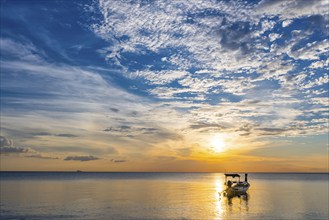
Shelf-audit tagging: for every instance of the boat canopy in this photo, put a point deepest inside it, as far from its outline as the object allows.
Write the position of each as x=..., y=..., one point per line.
x=232, y=175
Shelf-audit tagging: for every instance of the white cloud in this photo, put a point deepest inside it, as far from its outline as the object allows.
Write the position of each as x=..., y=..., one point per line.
x=286, y=23
x=273, y=36
x=7, y=147
x=320, y=64
x=321, y=101
x=24, y=51
x=311, y=51
x=275, y=69
x=267, y=25
x=160, y=25
x=233, y=48
x=159, y=77
x=317, y=82
x=198, y=85
x=293, y=8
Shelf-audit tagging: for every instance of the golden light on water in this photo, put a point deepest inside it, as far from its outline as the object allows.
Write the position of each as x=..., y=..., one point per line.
x=219, y=186
x=218, y=203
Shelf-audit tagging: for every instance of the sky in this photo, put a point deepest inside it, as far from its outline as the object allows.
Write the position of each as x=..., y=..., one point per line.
x=167, y=86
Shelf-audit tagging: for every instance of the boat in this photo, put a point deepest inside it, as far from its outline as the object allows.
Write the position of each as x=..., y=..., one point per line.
x=234, y=185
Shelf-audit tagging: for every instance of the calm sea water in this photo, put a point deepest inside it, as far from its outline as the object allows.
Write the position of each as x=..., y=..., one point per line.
x=57, y=195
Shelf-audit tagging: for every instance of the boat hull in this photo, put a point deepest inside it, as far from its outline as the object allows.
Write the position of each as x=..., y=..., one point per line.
x=232, y=192
x=239, y=189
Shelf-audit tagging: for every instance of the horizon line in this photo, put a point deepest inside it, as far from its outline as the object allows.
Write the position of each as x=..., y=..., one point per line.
x=81, y=171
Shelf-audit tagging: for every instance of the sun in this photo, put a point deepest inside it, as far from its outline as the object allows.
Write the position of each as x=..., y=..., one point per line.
x=218, y=144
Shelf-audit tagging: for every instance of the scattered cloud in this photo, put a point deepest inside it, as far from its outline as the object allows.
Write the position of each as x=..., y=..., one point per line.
x=159, y=77
x=291, y=9
x=6, y=142
x=7, y=146
x=118, y=161
x=82, y=158
x=272, y=131
x=202, y=125
x=24, y=50
x=5, y=150
x=39, y=156
x=118, y=129
x=66, y=135
x=114, y=110
x=43, y=133
x=141, y=77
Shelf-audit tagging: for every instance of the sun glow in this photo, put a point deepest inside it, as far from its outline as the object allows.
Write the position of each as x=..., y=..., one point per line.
x=218, y=144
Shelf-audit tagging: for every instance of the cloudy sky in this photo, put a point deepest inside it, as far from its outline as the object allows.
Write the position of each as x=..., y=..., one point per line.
x=199, y=85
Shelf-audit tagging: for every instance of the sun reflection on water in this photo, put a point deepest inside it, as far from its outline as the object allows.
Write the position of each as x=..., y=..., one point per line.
x=218, y=197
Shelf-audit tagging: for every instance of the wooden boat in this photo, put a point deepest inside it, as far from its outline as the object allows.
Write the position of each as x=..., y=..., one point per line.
x=234, y=186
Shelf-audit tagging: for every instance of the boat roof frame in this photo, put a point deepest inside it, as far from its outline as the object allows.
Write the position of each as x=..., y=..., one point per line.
x=232, y=175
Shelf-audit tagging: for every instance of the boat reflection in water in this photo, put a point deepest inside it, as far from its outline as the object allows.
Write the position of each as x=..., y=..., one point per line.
x=231, y=194
x=235, y=192
x=241, y=196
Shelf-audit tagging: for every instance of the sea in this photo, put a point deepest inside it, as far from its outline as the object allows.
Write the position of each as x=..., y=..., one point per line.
x=105, y=195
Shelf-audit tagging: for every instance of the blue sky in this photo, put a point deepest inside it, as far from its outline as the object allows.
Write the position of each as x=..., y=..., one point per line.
x=119, y=85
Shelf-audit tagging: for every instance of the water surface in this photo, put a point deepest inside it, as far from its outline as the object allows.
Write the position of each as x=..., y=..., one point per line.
x=66, y=195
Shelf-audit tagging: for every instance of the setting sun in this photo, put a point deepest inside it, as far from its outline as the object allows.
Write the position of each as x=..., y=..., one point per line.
x=218, y=144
